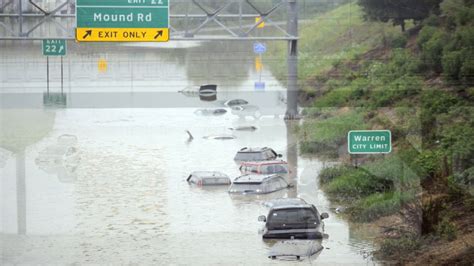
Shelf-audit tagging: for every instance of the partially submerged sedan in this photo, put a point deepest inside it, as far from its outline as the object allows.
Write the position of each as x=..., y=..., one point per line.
x=256, y=154
x=265, y=167
x=258, y=184
x=208, y=178
x=293, y=221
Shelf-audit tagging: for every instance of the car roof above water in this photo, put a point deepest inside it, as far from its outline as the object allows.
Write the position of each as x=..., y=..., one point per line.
x=292, y=206
x=253, y=179
x=285, y=202
x=209, y=174
x=254, y=149
x=264, y=162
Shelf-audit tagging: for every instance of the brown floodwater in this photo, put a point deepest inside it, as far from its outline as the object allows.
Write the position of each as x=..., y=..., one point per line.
x=101, y=179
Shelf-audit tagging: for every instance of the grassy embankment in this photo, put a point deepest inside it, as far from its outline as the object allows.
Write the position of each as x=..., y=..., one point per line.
x=365, y=75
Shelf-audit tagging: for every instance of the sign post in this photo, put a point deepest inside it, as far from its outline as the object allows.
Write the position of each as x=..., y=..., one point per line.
x=122, y=20
x=369, y=141
x=54, y=47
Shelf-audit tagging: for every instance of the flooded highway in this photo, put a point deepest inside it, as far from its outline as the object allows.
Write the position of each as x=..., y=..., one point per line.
x=98, y=174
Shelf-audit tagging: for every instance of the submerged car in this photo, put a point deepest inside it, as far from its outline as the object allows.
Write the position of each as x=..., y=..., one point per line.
x=246, y=110
x=264, y=167
x=208, y=178
x=256, y=154
x=203, y=90
x=295, y=220
x=208, y=89
x=295, y=249
x=209, y=112
x=283, y=201
x=244, y=128
x=235, y=102
x=258, y=184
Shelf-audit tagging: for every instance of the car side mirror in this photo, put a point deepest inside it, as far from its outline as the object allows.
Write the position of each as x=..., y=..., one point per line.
x=291, y=185
x=324, y=215
x=262, y=218
x=279, y=155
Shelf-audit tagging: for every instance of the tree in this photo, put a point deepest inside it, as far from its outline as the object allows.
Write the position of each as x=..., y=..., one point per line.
x=398, y=11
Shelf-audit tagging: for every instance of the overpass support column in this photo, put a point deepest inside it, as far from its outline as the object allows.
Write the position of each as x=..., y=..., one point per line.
x=292, y=60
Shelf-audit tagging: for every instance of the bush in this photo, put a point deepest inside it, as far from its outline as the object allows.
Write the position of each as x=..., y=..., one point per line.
x=392, y=168
x=436, y=101
x=432, y=20
x=425, y=35
x=314, y=147
x=334, y=98
x=466, y=72
x=464, y=37
x=452, y=63
x=399, y=41
x=429, y=163
x=357, y=183
x=446, y=229
x=405, y=244
x=459, y=11
x=457, y=135
x=432, y=50
x=464, y=180
x=329, y=173
x=398, y=89
x=379, y=205
x=333, y=130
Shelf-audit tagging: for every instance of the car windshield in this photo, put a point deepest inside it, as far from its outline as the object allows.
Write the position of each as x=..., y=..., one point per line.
x=246, y=188
x=292, y=218
x=274, y=169
x=249, y=156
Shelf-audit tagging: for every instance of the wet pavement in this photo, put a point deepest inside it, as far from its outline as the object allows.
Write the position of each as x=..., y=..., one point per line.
x=117, y=193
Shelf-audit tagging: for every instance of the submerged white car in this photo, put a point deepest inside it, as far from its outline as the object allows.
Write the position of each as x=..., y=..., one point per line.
x=258, y=184
x=208, y=178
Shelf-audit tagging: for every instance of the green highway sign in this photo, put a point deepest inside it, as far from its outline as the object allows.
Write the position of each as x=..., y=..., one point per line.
x=100, y=17
x=123, y=3
x=122, y=20
x=54, y=47
x=369, y=141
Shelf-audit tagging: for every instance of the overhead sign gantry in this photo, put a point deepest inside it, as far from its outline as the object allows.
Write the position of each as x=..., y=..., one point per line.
x=122, y=20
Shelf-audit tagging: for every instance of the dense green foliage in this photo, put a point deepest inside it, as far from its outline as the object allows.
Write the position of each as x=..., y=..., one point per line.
x=398, y=11
x=379, y=204
x=446, y=42
x=417, y=84
x=328, y=40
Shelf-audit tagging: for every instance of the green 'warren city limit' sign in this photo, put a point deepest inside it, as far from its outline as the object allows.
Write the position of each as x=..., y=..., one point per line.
x=54, y=47
x=369, y=141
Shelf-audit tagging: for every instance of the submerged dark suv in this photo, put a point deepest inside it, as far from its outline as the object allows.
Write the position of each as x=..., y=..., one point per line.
x=297, y=220
x=256, y=154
